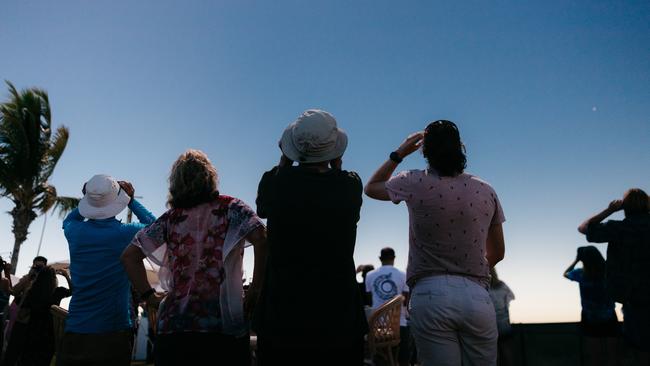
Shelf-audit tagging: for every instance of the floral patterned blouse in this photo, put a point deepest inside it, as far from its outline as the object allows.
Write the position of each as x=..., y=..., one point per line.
x=200, y=251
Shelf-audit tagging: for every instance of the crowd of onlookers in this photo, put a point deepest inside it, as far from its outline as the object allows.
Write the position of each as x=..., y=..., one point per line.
x=304, y=303
x=622, y=278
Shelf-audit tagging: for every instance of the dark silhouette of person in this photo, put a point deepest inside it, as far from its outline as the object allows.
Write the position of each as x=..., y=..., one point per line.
x=310, y=314
x=628, y=254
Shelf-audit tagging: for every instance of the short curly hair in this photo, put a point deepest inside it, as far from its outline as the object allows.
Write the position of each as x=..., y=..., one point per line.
x=443, y=148
x=192, y=181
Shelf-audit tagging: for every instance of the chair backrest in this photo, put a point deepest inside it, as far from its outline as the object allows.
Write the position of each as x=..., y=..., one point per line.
x=59, y=315
x=384, y=324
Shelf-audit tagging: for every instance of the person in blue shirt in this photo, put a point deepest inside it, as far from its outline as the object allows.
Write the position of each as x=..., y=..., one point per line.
x=599, y=324
x=98, y=328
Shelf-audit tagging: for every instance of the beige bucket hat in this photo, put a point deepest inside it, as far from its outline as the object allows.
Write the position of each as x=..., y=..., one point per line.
x=313, y=138
x=104, y=198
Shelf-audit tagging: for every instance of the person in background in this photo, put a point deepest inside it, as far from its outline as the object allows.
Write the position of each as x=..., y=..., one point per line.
x=501, y=296
x=628, y=254
x=14, y=313
x=61, y=292
x=455, y=236
x=598, y=322
x=5, y=292
x=199, y=244
x=364, y=269
x=32, y=337
x=311, y=315
x=98, y=328
x=382, y=285
x=38, y=263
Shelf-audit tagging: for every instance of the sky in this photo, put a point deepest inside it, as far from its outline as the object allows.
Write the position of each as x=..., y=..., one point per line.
x=552, y=99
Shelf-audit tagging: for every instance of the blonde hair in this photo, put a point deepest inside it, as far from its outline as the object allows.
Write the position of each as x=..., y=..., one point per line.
x=192, y=181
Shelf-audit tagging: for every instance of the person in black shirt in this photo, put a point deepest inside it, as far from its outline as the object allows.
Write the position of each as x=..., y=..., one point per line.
x=628, y=254
x=310, y=310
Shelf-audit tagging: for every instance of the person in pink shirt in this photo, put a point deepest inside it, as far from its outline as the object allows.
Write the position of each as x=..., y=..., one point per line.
x=199, y=245
x=455, y=237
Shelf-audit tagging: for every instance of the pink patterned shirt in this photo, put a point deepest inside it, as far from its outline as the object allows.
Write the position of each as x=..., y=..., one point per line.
x=200, y=251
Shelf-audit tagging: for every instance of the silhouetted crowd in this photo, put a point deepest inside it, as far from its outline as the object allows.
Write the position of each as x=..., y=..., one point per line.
x=304, y=303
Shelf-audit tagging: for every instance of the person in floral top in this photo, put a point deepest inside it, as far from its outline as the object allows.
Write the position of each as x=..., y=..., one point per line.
x=199, y=245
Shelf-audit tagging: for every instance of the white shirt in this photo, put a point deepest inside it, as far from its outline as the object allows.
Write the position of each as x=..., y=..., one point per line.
x=501, y=297
x=384, y=283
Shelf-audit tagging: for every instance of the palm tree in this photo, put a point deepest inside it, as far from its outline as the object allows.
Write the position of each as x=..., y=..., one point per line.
x=29, y=153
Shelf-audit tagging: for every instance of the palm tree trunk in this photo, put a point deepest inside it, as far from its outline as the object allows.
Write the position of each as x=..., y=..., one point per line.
x=23, y=217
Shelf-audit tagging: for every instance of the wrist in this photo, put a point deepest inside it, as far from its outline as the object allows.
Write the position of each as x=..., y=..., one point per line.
x=396, y=156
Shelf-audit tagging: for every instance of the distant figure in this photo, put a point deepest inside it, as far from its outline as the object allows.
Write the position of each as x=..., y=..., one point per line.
x=14, y=313
x=628, y=255
x=199, y=244
x=364, y=269
x=98, y=329
x=5, y=292
x=599, y=324
x=38, y=263
x=385, y=283
x=455, y=236
x=501, y=296
x=32, y=337
x=311, y=314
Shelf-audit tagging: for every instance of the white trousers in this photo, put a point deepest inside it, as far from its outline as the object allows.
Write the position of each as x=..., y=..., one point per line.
x=453, y=322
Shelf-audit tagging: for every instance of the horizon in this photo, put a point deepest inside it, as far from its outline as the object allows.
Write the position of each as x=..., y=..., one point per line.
x=551, y=100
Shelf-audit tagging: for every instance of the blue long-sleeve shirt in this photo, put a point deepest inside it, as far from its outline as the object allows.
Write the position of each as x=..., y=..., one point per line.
x=101, y=299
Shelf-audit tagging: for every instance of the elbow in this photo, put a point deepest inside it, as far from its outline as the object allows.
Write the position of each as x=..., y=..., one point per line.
x=124, y=258
x=498, y=257
x=376, y=191
x=130, y=255
x=582, y=229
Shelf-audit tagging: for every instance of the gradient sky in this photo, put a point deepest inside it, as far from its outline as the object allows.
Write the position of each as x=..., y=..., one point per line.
x=552, y=99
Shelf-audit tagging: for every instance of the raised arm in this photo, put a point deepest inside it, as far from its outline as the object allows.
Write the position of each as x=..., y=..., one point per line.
x=144, y=216
x=614, y=206
x=495, y=246
x=376, y=186
x=260, y=250
x=570, y=268
x=23, y=284
x=66, y=275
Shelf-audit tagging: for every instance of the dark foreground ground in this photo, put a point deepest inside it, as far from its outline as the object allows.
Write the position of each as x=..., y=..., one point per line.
x=553, y=344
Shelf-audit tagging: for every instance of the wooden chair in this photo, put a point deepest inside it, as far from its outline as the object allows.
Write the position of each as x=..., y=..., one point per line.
x=383, y=337
x=59, y=315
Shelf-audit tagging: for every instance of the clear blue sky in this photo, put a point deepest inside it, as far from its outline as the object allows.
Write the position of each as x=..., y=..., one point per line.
x=552, y=99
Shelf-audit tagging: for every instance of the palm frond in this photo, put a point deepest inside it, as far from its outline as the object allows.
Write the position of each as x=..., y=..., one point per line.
x=65, y=204
x=25, y=132
x=45, y=198
x=53, y=154
x=28, y=156
x=7, y=184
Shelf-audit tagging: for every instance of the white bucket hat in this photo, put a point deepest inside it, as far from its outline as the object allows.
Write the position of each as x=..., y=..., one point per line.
x=313, y=138
x=104, y=198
